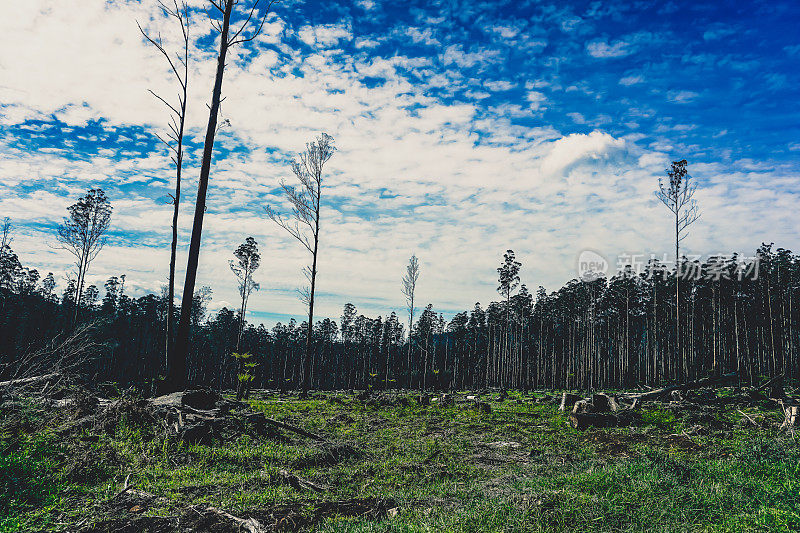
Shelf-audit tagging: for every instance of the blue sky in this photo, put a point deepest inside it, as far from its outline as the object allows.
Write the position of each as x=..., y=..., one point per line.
x=463, y=129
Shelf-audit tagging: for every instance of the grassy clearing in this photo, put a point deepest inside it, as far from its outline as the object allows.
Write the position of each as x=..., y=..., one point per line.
x=518, y=468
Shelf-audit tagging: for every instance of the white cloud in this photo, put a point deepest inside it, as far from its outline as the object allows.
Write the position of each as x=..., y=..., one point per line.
x=536, y=99
x=576, y=147
x=631, y=80
x=682, y=97
x=326, y=35
x=602, y=49
x=454, y=183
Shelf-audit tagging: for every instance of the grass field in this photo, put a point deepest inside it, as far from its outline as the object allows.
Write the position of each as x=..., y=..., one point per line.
x=519, y=467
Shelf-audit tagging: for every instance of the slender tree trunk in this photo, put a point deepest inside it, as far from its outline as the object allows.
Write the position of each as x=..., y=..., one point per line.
x=177, y=366
x=310, y=330
x=174, y=245
x=410, y=325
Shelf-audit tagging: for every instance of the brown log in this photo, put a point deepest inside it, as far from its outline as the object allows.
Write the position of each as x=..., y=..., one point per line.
x=27, y=381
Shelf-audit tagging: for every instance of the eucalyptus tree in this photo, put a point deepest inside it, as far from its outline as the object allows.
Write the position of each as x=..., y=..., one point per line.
x=10, y=267
x=83, y=234
x=409, y=289
x=677, y=194
x=229, y=37
x=508, y=278
x=304, y=224
x=179, y=67
x=246, y=263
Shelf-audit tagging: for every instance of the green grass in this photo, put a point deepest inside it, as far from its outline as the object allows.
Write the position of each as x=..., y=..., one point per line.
x=518, y=468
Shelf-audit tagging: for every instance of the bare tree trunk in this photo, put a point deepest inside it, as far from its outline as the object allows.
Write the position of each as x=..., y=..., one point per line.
x=172, y=260
x=177, y=366
x=678, y=297
x=410, y=325
x=310, y=331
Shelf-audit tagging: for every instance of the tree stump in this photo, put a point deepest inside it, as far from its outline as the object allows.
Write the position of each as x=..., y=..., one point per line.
x=567, y=401
x=604, y=403
x=598, y=420
x=791, y=414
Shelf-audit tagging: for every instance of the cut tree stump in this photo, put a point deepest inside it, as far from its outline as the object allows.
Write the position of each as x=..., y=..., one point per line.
x=604, y=403
x=598, y=420
x=792, y=414
x=624, y=417
x=567, y=401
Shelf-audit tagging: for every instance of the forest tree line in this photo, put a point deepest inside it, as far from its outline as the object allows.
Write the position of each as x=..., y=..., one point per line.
x=591, y=333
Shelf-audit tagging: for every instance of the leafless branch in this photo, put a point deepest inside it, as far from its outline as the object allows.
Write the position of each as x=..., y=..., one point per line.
x=236, y=36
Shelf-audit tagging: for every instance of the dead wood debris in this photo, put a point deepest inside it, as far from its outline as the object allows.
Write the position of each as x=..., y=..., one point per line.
x=695, y=401
x=124, y=514
x=194, y=416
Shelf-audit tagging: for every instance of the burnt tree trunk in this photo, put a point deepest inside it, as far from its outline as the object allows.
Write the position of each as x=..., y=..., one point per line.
x=177, y=366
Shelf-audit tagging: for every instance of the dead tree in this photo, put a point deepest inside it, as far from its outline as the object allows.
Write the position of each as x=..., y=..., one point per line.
x=83, y=235
x=409, y=289
x=678, y=195
x=303, y=224
x=247, y=31
x=174, y=139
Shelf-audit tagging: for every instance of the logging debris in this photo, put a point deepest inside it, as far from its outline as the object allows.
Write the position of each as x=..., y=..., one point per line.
x=198, y=416
x=125, y=513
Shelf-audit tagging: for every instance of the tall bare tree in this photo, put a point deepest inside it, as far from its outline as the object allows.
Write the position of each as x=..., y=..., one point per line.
x=174, y=139
x=246, y=263
x=409, y=289
x=303, y=223
x=247, y=30
x=678, y=195
x=83, y=235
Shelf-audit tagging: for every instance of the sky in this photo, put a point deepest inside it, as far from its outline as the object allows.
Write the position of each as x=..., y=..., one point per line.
x=462, y=129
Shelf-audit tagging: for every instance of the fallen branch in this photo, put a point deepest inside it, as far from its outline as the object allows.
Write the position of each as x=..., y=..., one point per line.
x=748, y=417
x=700, y=383
x=300, y=484
x=248, y=524
x=27, y=381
